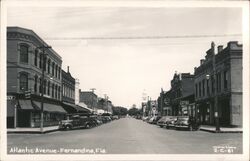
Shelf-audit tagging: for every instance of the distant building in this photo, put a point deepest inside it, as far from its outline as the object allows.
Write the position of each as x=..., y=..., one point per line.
x=89, y=98
x=68, y=87
x=182, y=93
x=228, y=78
x=25, y=62
x=77, y=91
x=164, y=104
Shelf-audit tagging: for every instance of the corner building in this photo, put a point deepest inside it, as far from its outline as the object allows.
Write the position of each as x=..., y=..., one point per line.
x=25, y=62
x=221, y=79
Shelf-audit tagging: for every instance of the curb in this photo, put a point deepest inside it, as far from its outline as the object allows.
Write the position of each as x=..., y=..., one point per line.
x=31, y=132
x=213, y=131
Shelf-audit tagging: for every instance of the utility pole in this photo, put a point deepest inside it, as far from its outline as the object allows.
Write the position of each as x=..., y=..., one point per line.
x=216, y=114
x=42, y=84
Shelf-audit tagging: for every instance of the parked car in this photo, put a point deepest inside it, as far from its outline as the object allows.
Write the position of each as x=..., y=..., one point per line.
x=170, y=123
x=151, y=120
x=156, y=118
x=186, y=122
x=163, y=120
x=115, y=117
x=144, y=118
x=76, y=121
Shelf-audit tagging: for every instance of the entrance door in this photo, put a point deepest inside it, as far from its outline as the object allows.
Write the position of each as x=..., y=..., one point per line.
x=23, y=118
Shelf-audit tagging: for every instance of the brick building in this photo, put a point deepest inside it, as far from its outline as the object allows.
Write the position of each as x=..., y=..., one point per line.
x=182, y=94
x=220, y=75
x=89, y=98
x=26, y=59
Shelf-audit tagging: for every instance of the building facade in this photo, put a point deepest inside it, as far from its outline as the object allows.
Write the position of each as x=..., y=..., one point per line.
x=181, y=94
x=28, y=56
x=89, y=98
x=218, y=82
x=68, y=87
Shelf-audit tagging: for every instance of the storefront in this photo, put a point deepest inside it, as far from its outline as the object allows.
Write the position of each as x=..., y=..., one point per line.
x=29, y=114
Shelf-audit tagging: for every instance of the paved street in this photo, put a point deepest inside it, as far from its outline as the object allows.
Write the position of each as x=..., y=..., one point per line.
x=129, y=136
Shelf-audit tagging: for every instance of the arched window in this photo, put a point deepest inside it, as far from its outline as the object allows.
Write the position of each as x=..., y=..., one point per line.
x=23, y=81
x=24, y=53
x=35, y=84
x=49, y=66
x=48, y=88
x=35, y=58
x=53, y=68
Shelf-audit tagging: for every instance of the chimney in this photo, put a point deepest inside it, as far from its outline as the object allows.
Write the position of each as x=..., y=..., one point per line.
x=202, y=61
x=220, y=48
x=67, y=69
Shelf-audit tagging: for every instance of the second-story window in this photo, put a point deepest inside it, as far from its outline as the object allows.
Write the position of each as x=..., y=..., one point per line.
x=35, y=84
x=23, y=81
x=225, y=79
x=199, y=89
x=196, y=90
x=24, y=53
x=40, y=60
x=53, y=69
x=203, y=87
x=49, y=66
x=36, y=57
x=56, y=68
x=208, y=92
x=48, y=92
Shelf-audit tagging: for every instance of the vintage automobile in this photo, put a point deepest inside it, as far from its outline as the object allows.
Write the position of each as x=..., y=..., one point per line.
x=163, y=121
x=186, y=122
x=170, y=123
x=76, y=122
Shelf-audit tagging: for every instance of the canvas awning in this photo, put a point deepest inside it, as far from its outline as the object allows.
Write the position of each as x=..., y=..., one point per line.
x=50, y=107
x=75, y=108
x=27, y=105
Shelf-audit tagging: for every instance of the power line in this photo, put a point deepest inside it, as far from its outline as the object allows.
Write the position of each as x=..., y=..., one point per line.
x=140, y=37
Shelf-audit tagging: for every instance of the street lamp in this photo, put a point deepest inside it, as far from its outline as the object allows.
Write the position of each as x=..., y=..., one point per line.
x=42, y=84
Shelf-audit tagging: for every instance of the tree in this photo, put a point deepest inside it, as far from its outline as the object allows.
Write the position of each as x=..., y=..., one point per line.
x=133, y=111
x=117, y=110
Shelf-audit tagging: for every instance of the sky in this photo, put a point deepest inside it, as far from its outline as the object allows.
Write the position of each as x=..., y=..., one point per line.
x=125, y=68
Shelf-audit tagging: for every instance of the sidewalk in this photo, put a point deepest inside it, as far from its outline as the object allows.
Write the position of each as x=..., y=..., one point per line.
x=33, y=130
x=209, y=128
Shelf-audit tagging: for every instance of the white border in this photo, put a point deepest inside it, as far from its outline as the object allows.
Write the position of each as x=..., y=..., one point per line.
x=160, y=3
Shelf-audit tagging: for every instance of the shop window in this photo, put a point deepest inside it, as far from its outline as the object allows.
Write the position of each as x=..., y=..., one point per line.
x=24, y=53
x=23, y=81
